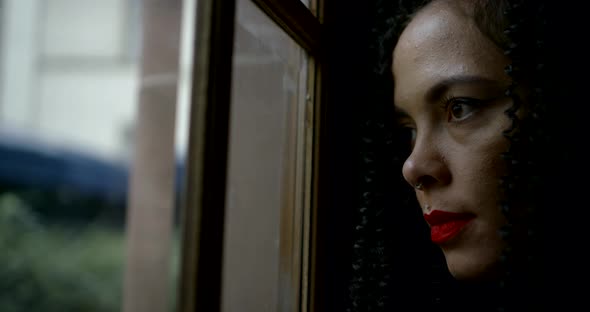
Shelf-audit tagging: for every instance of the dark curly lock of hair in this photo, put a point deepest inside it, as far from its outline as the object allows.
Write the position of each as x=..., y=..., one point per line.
x=394, y=262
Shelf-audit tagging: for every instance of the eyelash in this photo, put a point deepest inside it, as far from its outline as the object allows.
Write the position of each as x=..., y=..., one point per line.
x=446, y=106
x=449, y=101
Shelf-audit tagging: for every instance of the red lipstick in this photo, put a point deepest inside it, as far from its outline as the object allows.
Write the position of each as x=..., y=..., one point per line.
x=445, y=225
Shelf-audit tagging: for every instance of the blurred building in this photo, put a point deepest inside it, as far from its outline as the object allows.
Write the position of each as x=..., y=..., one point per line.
x=69, y=72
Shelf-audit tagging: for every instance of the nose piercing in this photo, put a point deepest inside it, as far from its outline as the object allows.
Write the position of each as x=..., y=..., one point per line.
x=418, y=186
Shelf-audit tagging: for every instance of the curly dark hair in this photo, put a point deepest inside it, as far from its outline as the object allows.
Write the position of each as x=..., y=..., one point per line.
x=384, y=277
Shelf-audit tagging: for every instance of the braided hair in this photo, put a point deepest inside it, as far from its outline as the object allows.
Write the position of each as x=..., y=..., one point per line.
x=383, y=276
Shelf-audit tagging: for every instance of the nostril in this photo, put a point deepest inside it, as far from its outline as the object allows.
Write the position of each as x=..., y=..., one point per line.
x=418, y=186
x=424, y=182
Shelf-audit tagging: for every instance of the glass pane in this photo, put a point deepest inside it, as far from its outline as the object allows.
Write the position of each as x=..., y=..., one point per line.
x=269, y=80
x=84, y=145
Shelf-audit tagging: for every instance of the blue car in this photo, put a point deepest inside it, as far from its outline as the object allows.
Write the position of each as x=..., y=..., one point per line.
x=59, y=182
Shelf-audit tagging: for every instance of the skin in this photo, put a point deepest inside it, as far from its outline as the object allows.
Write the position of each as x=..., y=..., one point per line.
x=449, y=91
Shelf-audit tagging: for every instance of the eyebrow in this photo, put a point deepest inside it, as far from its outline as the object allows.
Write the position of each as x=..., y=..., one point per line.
x=440, y=88
x=399, y=113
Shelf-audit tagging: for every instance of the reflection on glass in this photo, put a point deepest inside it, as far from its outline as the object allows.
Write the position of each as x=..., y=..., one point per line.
x=71, y=79
x=269, y=75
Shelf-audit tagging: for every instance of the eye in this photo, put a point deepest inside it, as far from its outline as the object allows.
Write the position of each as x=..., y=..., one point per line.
x=406, y=136
x=410, y=135
x=459, y=109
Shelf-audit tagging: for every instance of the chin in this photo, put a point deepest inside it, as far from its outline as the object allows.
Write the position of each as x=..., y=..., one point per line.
x=466, y=275
x=475, y=269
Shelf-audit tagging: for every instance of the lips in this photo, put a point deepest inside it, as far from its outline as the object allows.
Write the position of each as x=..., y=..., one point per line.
x=446, y=225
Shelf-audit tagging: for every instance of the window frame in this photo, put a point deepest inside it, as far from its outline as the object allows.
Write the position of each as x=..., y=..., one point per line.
x=203, y=204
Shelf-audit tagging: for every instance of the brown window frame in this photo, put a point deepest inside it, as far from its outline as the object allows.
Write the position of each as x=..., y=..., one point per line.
x=203, y=205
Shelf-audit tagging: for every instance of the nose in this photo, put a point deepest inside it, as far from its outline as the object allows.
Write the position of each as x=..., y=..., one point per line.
x=426, y=166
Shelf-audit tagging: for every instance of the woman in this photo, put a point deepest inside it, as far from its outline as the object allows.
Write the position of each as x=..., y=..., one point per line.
x=474, y=95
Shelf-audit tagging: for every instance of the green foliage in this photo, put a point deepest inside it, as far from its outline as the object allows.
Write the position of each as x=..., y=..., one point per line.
x=50, y=268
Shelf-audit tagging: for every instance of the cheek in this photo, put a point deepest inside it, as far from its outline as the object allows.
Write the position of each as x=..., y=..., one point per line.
x=490, y=148
x=477, y=184
x=486, y=145
x=479, y=165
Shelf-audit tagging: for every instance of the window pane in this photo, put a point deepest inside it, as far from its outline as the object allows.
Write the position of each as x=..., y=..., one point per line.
x=88, y=158
x=268, y=100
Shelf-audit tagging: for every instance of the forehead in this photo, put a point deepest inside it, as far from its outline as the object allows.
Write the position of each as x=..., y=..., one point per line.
x=442, y=42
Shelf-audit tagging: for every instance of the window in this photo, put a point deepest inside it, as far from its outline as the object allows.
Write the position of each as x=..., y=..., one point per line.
x=158, y=155
x=253, y=142
x=266, y=189
x=90, y=167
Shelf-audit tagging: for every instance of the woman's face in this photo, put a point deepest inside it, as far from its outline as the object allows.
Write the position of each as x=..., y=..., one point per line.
x=449, y=90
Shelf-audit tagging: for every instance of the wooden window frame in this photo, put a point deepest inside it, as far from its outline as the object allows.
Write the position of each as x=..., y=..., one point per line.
x=203, y=204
